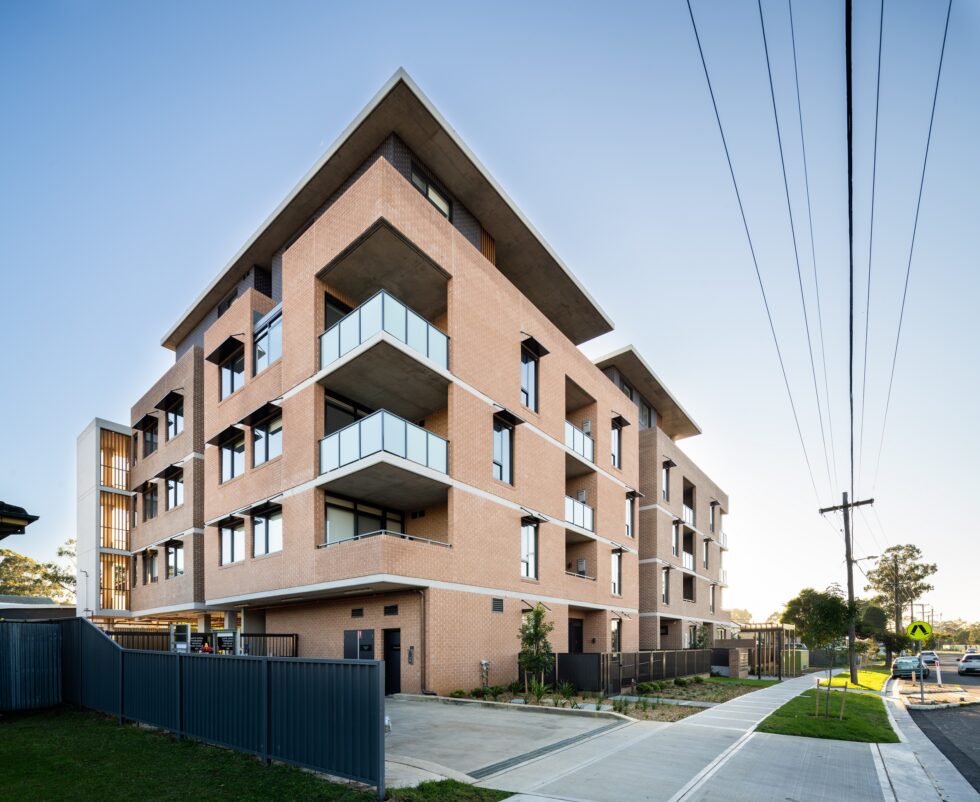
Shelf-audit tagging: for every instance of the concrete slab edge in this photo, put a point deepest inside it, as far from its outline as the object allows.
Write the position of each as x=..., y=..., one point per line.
x=434, y=768
x=561, y=711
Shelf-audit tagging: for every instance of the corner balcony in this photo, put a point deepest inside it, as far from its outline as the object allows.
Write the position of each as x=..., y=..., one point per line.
x=387, y=460
x=580, y=457
x=383, y=354
x=579, y=514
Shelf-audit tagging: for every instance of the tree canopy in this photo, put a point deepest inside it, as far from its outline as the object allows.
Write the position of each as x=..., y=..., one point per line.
x=900, y=567
x=741, y=616
x=820, y=617
x=21, y=575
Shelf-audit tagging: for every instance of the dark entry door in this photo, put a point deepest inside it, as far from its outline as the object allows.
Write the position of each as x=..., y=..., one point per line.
x=358, y=644
x=393, y=661
x=575, y=640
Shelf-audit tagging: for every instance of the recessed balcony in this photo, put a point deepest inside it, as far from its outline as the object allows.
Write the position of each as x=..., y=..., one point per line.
x=723, y=540
x=385, y=354
x=580, y=457
x=687, y=560
x=385, y=459
x=579, y=514
x=687, y=515
x=723, y=577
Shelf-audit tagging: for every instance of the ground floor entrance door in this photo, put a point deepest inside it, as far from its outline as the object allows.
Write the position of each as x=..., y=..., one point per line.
x=358, y=644
x=393, y=661
x=575, y=639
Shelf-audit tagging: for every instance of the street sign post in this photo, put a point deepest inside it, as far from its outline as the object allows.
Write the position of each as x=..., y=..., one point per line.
x=919, y=631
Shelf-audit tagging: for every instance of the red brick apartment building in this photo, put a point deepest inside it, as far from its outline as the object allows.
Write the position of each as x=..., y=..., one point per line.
x=379, y=420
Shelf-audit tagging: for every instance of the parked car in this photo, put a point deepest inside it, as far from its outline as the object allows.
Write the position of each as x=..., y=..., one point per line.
x=930, y=658
x=972, y=650
x=908, y=668
x=970, y=664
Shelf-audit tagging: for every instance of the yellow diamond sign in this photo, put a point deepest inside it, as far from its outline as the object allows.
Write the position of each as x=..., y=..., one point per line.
x=918, y=630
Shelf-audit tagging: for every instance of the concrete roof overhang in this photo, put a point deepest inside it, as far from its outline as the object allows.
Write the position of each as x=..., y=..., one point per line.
x=523, y=256
x=388, y=481
x=674, y=419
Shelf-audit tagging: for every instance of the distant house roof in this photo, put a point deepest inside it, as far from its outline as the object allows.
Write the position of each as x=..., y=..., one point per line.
x=14, y=520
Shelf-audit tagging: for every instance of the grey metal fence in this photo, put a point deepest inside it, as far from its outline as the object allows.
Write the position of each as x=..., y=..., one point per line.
x=156, y=640
x=611, y=672
x=326, y=715
x=30, y=665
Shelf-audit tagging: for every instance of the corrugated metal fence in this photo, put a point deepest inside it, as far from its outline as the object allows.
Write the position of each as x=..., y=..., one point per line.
x=326, y=715
x=612, y=671
x=30, y=665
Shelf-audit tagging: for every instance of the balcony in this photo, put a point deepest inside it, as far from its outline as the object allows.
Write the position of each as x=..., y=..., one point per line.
x=687, y=515
x=385, y=354
x=387, y=460
x=723, y=540
x=388, y=534
x=580, y=576
x=582, y=447
x=687, y=560
x=723, y=577
x=579, y=513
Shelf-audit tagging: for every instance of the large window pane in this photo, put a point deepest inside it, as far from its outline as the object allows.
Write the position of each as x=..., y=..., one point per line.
x=340, y=524
x=275, y=532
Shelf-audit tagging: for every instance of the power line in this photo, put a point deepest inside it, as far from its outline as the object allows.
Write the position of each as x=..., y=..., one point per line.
x=915, y=228
x=871, y=238
x=792, y=228
x=755, y=260
x=813, y=248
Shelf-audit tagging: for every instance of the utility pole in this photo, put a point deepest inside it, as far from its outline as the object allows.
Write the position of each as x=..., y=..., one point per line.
x=845, y=507
x=898, y=602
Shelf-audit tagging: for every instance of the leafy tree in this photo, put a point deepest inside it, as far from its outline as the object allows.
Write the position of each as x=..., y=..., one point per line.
x=21, y=575
x=872, y=621
x=895, y=642
x=741, y=616
x=536, y=656
x=820, y=617
x=699, y=638
x=900, y=568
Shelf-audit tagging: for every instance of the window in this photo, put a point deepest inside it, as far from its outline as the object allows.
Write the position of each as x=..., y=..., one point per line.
x=150, y=440
x=704, y=550
x=225, y=304
x=614, y=640
x=665, y=585
x=647, y=416
x=711, y=516
x=617, y=437
x=529, y=378
x=665, y=481
x=133, y=512
x=267, y=345
x=711, y=599
x=335, y=310
x=529, y=551
x=345, y=520
x=233, y=373
x=175, y=490
x=503, y=448
x=175, y=560
x=436, y=196
x=675, y=540
x=175, y=419
x=617, y=573
x=150, y=502
x=136, y=447
x=391, y=609
x=232, y=544
x=267, y=531
x=629, y=515
x=267, y=440
x=149, y=566
x=233, y=457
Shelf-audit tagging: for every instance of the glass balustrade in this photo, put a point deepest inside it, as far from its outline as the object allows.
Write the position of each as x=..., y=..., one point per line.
x=579, y=513
x=579, y=442
x=383, y=431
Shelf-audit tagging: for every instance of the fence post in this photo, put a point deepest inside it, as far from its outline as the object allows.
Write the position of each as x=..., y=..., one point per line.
x=266, y=711
x=179, y=697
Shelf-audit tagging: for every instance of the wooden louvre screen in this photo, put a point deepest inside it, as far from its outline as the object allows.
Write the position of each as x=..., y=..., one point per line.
x=114, y=453
x=488, y=247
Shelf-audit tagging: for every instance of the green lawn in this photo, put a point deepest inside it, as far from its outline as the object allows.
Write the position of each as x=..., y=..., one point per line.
x=865, y=718
x=869, y=679
x=71, y=755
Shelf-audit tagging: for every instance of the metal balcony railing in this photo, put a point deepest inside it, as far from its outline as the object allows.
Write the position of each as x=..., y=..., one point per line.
x=579, y=442
x=384, y=312
x=579, y=513
x=687, y=515
x=687, y=560
x=383, y=431
x=723, y=539
x=580, y=576
x=385, y=533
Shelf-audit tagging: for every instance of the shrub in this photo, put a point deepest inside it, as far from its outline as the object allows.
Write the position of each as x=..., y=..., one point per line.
x=566, y=690
x=680, y=682
x=538, y=690
x=477, y=693
x=697, y=679
x=458, y=694
x=515, y=688
x=493, y=693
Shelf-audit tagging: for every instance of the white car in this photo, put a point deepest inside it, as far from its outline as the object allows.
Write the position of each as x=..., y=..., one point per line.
x=930, y=658
x=970, y=664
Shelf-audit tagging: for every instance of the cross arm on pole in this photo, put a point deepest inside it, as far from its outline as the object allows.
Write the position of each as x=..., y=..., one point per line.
x=839, y=507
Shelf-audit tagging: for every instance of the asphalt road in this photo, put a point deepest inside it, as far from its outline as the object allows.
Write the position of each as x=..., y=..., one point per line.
x=955, y=731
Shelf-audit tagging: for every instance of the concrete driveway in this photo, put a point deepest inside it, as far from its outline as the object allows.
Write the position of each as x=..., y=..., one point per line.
x=479, y=741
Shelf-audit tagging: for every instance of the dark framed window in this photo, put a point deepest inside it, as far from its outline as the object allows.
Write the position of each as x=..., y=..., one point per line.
x=175, y=489
x=436, y=196
x=150, y=497
x=267, y=345
x=267, y=440
x=711, y=517
x=233, y=457
x=630, y=504
x=529, y=378
x=175, y=560
x=133, y=512
x=267, y=531
x=334, y=310
x=339, y=414
x=675, y=539
x=232, y=543
x=136, y=447
x=617, y=574
x=503, y=451
x=665, y=481
x=529, y=550
x=346, y=520
x=665, y=585
x=175, y=419
x=704, y=552
x=150, y=439
x=614, y=636
x=711, y=598
x=225, y=304
x=232, y=373
x=391, y=609
x=149, y=566
x=617, y=445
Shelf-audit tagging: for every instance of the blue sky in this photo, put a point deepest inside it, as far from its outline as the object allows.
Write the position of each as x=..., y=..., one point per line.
x=143, y=143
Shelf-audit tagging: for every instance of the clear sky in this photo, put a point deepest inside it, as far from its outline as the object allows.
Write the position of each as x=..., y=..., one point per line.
x=142, y=143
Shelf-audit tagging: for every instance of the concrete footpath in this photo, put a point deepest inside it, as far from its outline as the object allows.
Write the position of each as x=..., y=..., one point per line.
x=718, y=755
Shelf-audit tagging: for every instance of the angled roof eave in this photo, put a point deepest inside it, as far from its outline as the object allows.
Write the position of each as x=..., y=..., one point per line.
x=524, y=256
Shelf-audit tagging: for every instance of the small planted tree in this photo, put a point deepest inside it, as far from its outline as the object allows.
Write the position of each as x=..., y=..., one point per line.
x=536, y=655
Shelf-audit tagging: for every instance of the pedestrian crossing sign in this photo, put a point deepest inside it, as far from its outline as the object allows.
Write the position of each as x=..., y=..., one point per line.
x=918, y=630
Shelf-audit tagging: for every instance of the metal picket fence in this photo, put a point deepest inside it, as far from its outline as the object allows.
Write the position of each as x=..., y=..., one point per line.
x=611, y=672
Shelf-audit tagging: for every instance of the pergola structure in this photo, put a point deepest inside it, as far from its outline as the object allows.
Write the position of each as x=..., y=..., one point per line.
x=14, y=520
x=773, y=649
